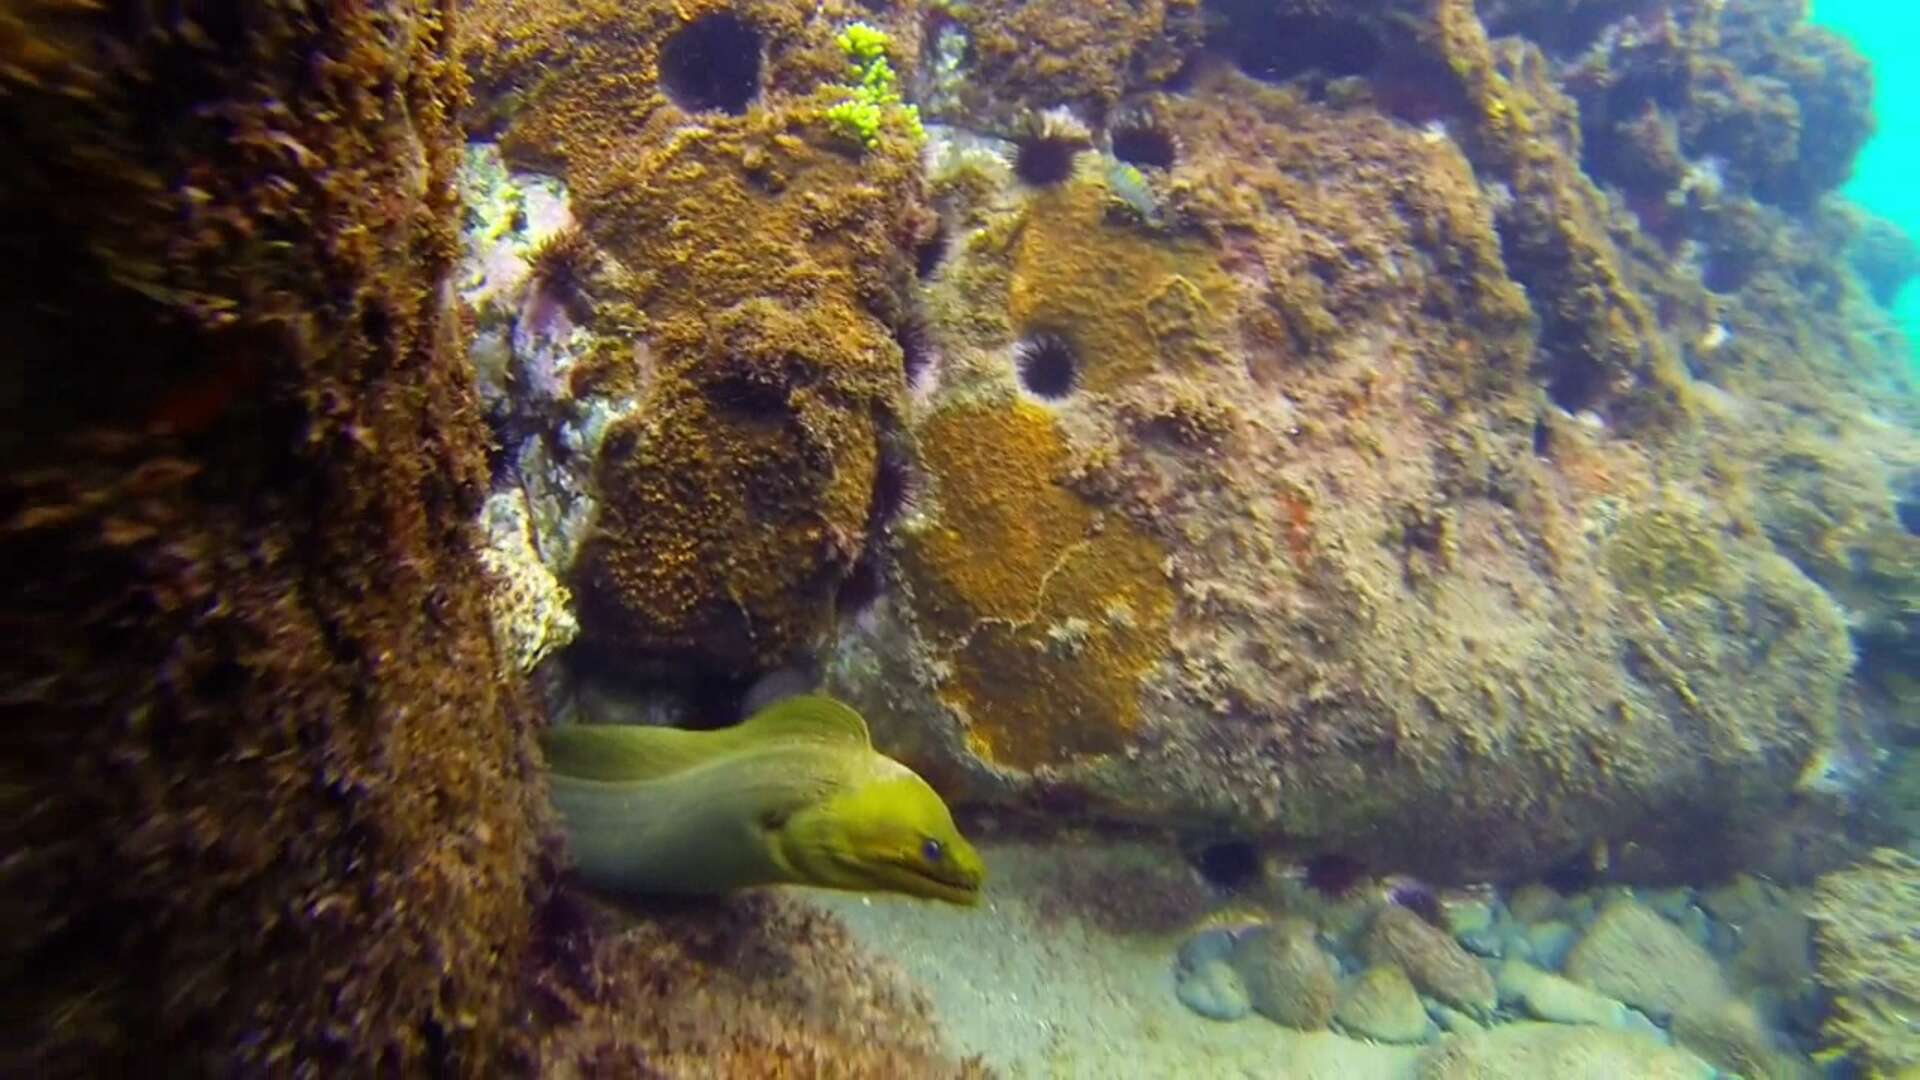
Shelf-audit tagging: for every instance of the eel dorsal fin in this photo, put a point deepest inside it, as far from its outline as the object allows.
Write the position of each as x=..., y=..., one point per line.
x=621, y=753
x=807, y=716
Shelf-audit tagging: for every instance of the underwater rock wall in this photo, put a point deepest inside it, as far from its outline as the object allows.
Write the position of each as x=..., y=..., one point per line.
x=743, y=251
x=1412, y=431
x=269, y=801
x=270, y=805
x=1382, y=505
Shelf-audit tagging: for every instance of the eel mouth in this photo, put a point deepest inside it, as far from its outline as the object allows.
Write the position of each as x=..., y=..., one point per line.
x=951, y=884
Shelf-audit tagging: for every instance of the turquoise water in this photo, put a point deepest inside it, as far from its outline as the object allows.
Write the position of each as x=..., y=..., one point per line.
x=1884, y=178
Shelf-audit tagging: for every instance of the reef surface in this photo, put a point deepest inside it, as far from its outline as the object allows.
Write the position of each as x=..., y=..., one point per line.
x=1406, y=435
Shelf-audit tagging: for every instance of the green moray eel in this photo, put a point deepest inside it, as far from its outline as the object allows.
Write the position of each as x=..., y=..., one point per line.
x=794, y=795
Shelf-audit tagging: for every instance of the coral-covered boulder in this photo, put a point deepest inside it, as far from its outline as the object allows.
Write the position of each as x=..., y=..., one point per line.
x=745, y=234
x=1289, y=979
x=1238, y=502
x=1870, y=960
x=1436, y=963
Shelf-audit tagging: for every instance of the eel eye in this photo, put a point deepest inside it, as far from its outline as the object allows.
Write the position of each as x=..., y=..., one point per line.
x=931, y=850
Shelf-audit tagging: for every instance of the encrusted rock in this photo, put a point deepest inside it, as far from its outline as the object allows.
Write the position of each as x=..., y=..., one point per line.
x=1435, y=962
x=1870, y=960
x=1381, y=1003
x=1546, y=996
x=1633, y=954
x=1214, y=990
x=1289, y=979
x=1528, y=1051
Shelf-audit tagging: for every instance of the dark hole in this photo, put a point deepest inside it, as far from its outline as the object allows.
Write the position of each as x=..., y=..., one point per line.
x=620, y=443
x=1229, y=865
x=1043, y=161
x=223, y=680
x=1908, y=510
x=1145, y=145
x=1542, y=439
x=749, y=397
x=1277, y=48
x=1576, y=382
x=376, y=324
x=1425, y=535
x=1726, y=273
x=1334, y=874
x=439, y=1048
x=863, y=584
x=1046, y=364
x=1571, y=874
x=712, y=62
x=931, y=252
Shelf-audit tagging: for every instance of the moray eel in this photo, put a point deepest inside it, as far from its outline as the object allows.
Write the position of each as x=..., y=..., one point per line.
x=794, y=795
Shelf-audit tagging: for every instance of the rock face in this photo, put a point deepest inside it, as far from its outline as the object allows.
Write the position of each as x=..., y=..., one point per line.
x=1632, y=954
x=268, y=805
x=1546, y=996
x=1382, y=1004
x=1575, y=1053
x=1391, y=433
x=1342, y=469
x=736, y=291
x=1870, y=959
x=269, y=798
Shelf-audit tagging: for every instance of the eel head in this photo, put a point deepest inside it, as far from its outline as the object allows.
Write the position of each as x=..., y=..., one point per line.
x=889, y=834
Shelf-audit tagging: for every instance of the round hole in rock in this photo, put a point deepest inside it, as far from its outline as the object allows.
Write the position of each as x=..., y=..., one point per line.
x=1146, y=145
x=1047, y=365
x=1228, y=865
x=1278, y=48
x=930, y=252
x=712, y=63
x=1576, y=382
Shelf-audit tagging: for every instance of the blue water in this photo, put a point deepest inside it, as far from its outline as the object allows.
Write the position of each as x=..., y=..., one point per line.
x=1884, y=179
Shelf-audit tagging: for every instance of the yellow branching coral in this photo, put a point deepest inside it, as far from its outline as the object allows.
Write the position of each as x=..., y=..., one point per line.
x=874, y=97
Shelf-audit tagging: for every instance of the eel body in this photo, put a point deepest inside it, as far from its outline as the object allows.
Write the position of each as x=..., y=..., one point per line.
x=794, y=795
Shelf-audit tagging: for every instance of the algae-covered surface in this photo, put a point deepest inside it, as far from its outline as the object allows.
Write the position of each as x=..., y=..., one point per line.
x=1394, y=525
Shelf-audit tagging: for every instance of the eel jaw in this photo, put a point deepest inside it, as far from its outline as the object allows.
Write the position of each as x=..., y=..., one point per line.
x=901, y=875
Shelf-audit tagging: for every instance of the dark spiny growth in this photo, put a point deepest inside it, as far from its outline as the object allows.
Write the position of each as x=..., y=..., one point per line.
x=1047, y=145
x=1420, y=900
x=894, y=488
x=915, y=337
x=1333, y=874
x=561, y=265
x=1044, y=162
x=712, y=63
x=1047, y=364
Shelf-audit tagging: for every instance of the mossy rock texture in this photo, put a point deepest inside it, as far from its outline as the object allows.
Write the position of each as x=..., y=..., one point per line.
x=270, y=803
x=1387, y=485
